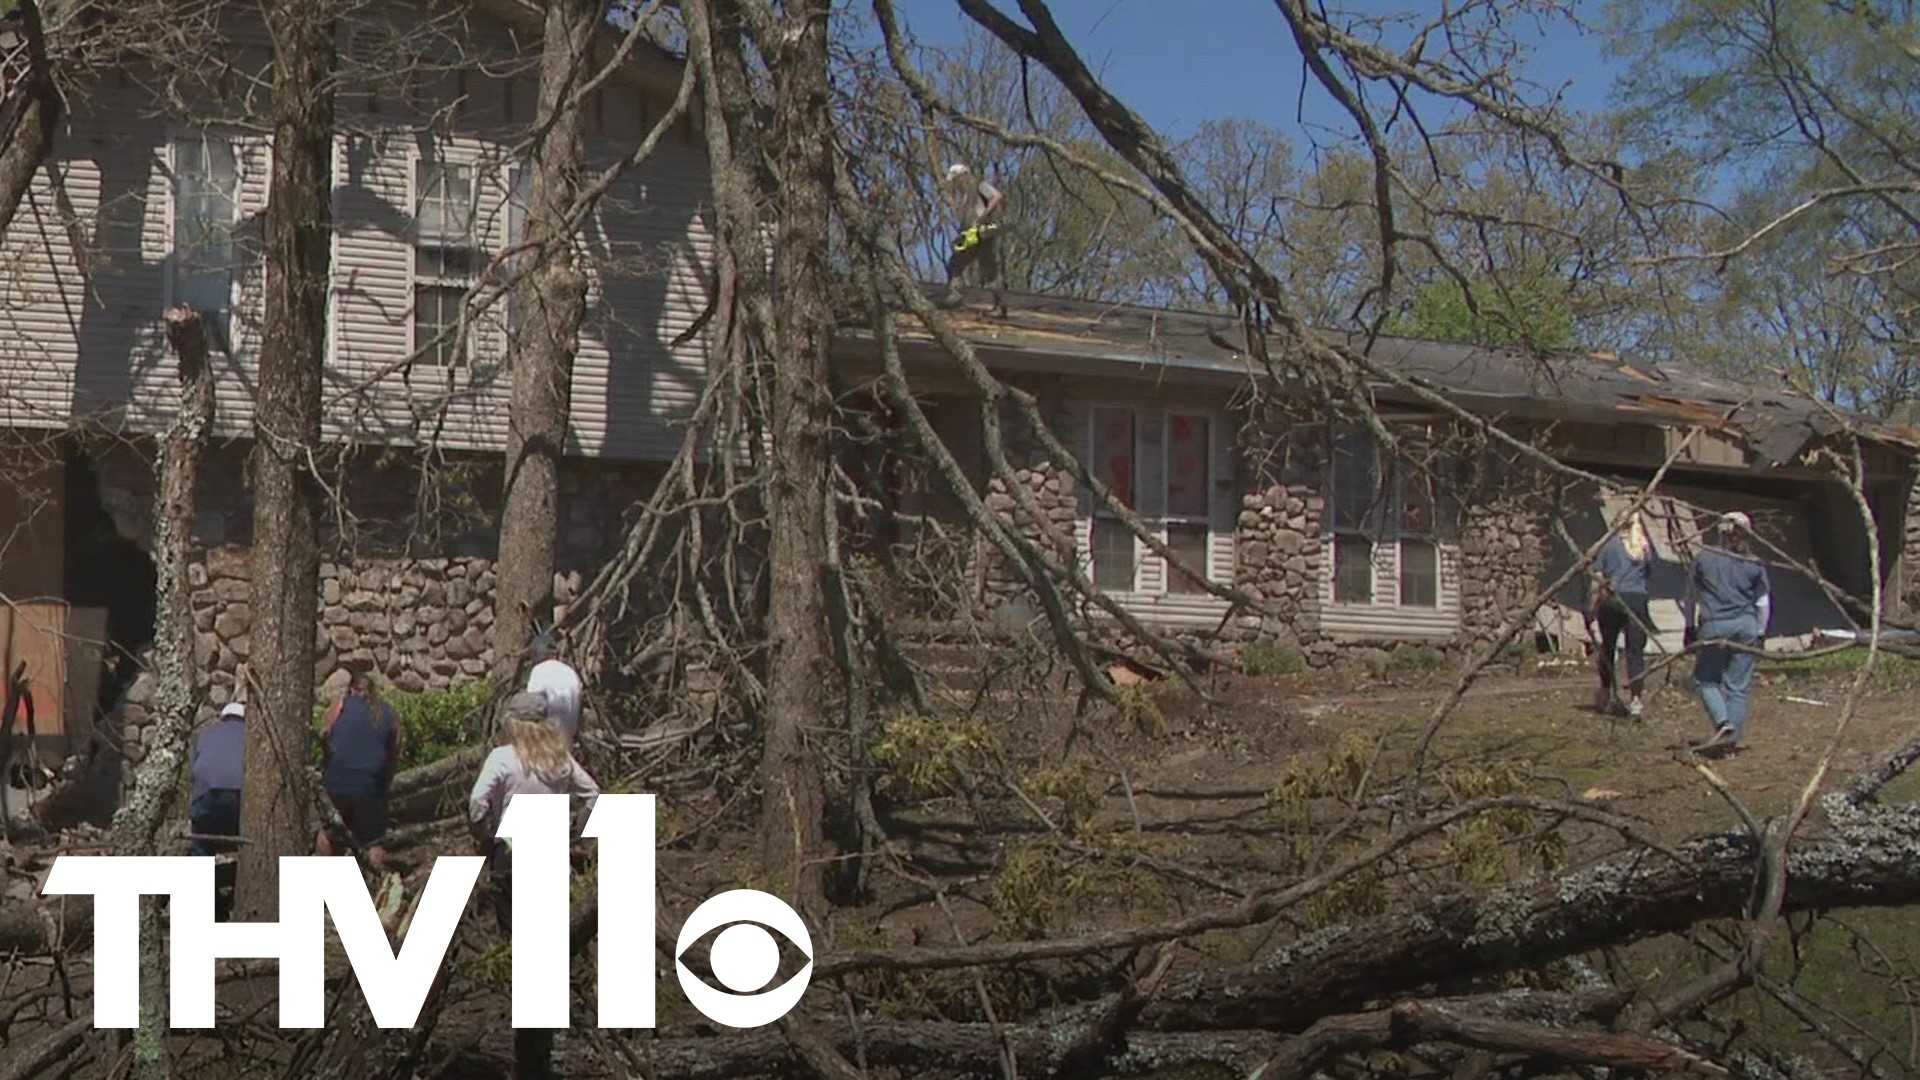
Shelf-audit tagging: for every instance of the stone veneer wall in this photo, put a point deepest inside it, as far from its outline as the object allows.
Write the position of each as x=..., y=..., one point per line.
x=1277, y=553
x=1279, y=550
x=1055, y=493
x=1506, y=541
x=409, y=595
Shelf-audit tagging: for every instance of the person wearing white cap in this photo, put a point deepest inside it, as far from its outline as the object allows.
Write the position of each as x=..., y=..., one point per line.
x=978, y=245
x=1728, y=608
x=219, y=761
x=558, y=684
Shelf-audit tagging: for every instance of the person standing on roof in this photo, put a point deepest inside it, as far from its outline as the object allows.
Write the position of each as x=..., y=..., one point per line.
x=1621, y=574
x=362, y=750
x=1729, y=592
x=977, y=248
x=556, y=681
x=219, y=761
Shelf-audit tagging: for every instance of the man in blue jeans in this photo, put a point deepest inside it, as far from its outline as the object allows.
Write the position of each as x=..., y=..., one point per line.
x=1728, y=607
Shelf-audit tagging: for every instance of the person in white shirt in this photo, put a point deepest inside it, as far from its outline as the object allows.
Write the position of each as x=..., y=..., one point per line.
x=533, y=759
x=559, y=683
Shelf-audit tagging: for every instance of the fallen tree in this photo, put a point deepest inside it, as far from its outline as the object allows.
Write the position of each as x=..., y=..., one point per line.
x=1871, y=862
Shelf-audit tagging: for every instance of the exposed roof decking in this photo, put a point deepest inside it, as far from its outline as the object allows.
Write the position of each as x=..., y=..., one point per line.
x=1775, y=422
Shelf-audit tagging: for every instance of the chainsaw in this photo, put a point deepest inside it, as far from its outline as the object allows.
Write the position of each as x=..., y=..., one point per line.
x=974, y=235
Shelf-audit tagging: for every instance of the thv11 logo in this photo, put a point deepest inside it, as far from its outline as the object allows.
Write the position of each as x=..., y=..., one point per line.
x=744, y=955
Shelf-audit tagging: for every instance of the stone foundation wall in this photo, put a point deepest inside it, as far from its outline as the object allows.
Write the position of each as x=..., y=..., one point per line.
x=407, y=588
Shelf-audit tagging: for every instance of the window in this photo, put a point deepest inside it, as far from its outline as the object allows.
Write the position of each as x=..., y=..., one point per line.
x=1356, y=494
x=1113, y=460
x=206, y=209
x=1160, y=465
x=445, y=259
x=1189, y=459
x=1419, y=551
x=1382, y=520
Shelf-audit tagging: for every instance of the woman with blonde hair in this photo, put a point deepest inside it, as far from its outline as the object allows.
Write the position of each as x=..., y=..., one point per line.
x=1622, y=571
x=533, y=758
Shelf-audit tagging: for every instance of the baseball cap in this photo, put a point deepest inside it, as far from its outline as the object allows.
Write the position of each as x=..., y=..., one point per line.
x=526, y=705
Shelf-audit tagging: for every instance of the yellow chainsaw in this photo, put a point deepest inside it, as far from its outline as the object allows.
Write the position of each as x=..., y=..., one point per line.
x=973, y=236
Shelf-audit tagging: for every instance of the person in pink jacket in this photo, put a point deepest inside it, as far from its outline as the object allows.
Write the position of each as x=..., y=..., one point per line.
x=532, y=759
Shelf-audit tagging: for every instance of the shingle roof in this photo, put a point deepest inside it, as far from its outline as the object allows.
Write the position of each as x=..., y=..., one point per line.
x=1776, y=421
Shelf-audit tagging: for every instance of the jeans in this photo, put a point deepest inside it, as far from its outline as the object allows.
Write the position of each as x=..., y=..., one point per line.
x=1624, y=614
x=1724, y=674
x=214, y=813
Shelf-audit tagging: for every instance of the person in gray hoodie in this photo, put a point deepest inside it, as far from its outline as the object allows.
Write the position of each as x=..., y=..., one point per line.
x=1728, y=607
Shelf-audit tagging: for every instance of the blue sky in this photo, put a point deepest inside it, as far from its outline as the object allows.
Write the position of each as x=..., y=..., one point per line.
x=1179, y=62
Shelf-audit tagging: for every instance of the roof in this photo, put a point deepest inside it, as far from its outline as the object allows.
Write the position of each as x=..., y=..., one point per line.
x=648, y=64
x=1776, y=421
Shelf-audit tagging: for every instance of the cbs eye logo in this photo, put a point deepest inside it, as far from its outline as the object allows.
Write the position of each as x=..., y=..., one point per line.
x=744, y=958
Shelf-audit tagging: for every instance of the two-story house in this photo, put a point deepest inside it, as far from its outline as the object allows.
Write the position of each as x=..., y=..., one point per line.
x=154, y=196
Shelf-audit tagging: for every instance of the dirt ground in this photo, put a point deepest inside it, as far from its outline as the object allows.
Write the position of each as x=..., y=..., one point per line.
x=1545, y=718
x=1175, y=804
x=1195, y=788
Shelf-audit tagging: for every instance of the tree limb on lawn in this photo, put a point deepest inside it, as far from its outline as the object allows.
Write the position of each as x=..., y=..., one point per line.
x=931, y=1045
x=1874, y=861
x=1411, y=1023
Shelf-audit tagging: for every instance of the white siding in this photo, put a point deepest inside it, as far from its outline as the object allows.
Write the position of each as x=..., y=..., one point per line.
x=1386, y=617
x=83, y=272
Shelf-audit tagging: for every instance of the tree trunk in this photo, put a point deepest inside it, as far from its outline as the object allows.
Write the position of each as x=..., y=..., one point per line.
x=29, y=112
x=553, y=301
x=137, y=824
x=1527, y=924
x=800, y=503
x=286, y=493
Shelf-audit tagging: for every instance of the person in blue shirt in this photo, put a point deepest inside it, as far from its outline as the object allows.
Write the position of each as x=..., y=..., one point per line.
x=219, y=761
x=1621, y=572
x=1728, y=607
x=362, y=751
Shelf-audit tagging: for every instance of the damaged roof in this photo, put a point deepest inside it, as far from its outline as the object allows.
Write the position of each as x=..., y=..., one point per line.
x=1776, y=422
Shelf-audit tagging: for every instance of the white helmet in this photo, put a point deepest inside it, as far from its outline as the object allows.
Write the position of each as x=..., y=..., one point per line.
x=956, y=170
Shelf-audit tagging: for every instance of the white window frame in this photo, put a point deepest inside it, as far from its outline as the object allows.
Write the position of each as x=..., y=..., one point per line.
x=1097, y=511
x=519, y=212
x=220, y=334
x=418, y=281
x=1403, y=536
x=1387, y=536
